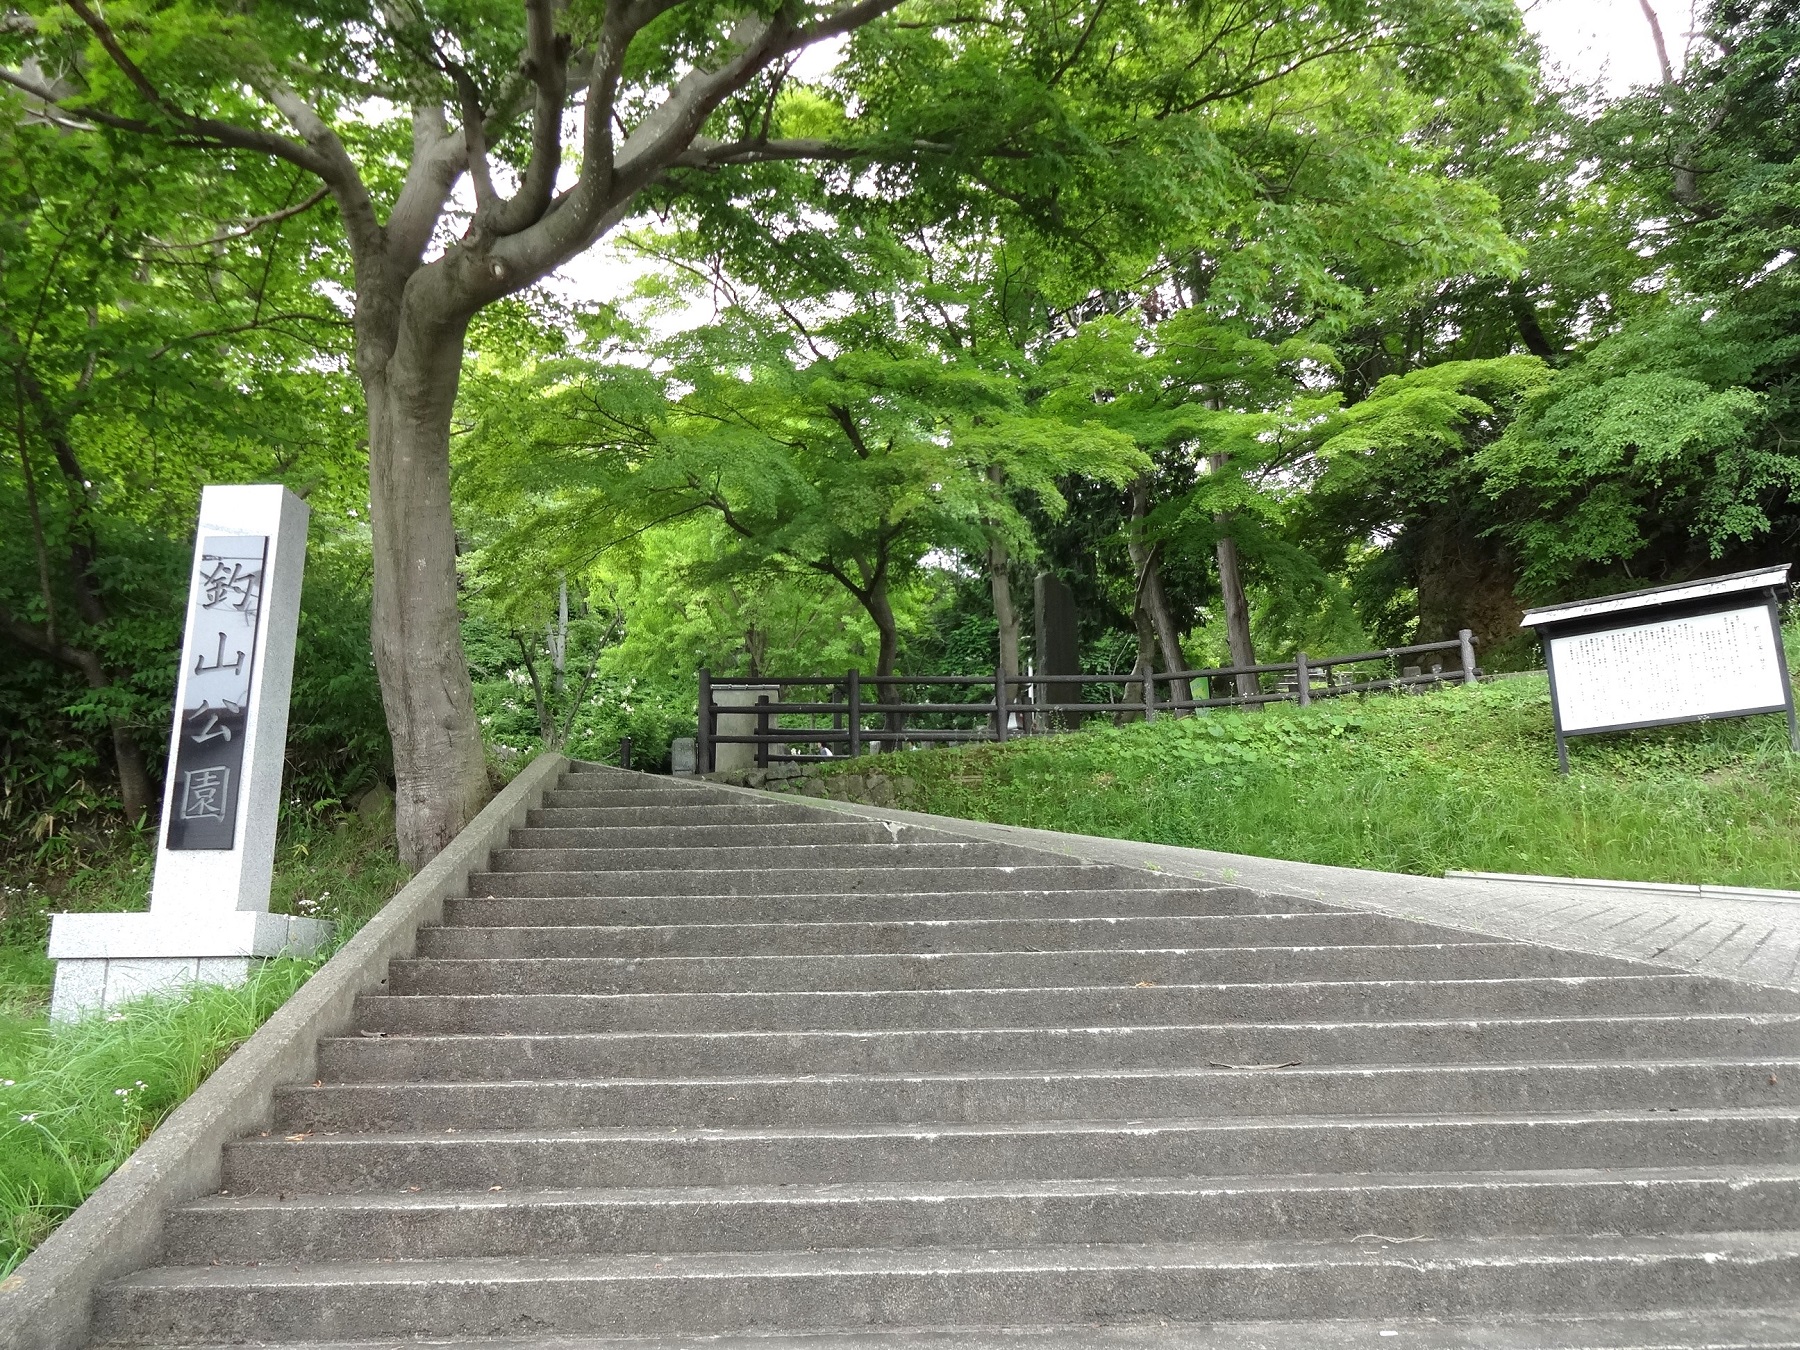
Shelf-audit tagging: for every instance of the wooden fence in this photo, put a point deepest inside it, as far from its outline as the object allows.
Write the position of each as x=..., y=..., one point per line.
x=784, y=728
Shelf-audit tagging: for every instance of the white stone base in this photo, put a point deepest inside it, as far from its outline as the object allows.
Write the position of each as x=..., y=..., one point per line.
x=103, y=960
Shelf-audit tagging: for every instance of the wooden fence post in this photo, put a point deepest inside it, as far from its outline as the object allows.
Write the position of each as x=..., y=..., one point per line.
x=1467, y=639
x=1150, y=692
x=1303, y=673
x=762, y=729
x=854, y=695
x=703, y=734
x=1000, y=703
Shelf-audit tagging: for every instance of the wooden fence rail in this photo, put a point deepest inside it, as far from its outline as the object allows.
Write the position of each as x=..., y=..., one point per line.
x=1001, y=707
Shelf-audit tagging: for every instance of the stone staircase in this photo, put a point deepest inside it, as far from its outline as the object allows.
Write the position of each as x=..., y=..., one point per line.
x=691, y=1067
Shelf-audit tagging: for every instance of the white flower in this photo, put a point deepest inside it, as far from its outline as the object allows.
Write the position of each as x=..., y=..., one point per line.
x=115, y=1017
x=28, y=1117
x=6, y=1082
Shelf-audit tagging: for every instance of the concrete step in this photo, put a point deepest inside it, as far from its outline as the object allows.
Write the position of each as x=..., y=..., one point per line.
x=730, y=1292
x=834, y=881
x=1226, y=1146
x=670, y=794
x=1620, y=995
x=541, y=911
x=847, y=831
x=669, y=816
x=794, y=938
x=983, y=970
x=609, y=777
x=422, y=1226
x=750, y=1103
x=489, y=1057
x=681, y=857
x=1763, y=1328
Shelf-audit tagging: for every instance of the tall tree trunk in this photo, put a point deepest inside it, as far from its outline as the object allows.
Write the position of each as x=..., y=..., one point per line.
x=1006, y=614
x=1237, y=612
x=887, y=631
x=546, y=722
x=409, y=376
x=559, y=639
x=1231, y=592
x=1142, y=668
x=1150, y=596
x=1006, y=617
x=136, y=795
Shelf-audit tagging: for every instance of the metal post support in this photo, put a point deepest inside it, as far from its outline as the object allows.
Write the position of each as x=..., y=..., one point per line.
x=1303, y=674
x=1000, y=713
x=1467, y=639
x=762, y=729
x=624, y=752
x=854, y=681
x=703, y=734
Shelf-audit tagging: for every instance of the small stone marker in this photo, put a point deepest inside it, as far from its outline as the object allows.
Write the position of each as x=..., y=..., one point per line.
x=1684, y=653
x=209, y=900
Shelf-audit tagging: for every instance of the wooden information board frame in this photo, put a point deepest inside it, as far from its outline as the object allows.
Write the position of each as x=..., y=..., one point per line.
x=1690, y=652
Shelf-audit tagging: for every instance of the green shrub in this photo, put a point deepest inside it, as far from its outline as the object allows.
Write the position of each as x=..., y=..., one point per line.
x=76, y=1100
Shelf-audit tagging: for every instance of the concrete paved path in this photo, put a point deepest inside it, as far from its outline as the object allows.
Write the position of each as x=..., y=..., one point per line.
x=1751, y=940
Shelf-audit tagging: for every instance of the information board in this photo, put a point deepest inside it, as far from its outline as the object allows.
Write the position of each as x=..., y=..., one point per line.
x=1722, y=664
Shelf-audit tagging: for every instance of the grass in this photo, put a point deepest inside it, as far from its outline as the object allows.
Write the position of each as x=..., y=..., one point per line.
x=1460, y=778
x=76, y=1100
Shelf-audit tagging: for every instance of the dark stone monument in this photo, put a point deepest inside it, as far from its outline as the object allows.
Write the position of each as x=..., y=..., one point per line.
x=1058, y=645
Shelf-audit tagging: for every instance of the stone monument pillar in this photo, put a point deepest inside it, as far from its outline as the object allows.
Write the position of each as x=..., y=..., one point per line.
x=208, y=919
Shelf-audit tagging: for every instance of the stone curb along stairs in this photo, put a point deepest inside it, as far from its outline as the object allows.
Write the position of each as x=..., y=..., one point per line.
x=692, y=1066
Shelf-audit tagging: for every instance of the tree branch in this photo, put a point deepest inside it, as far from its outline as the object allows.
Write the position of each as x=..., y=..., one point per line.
x=852, y=433
x=250, y=226
x=1662, y=47
x=252, y=326
x=704, y=154
x=439, y=157
x=204, y=129
x=611, y=176
x=546, y=65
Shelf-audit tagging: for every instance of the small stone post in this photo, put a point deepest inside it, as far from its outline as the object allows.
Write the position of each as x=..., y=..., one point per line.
x=1467, y=638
